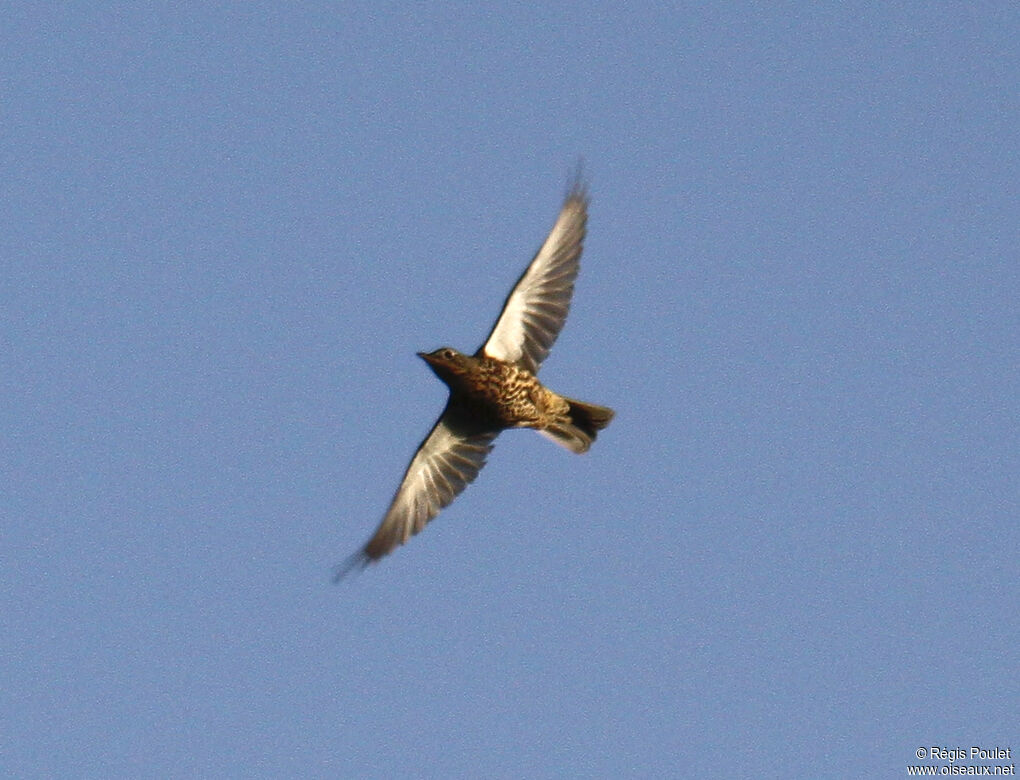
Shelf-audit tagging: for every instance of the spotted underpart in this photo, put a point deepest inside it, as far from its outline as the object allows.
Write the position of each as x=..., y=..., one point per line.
x=504, y=395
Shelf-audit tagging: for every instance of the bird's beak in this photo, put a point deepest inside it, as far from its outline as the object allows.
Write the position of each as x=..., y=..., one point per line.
x=426, y=357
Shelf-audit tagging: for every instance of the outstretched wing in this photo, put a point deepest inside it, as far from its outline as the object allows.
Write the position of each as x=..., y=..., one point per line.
x=450, y=457
x=537, y=307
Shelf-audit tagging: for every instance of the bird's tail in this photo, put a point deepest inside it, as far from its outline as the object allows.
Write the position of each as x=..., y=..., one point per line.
x=577, y=431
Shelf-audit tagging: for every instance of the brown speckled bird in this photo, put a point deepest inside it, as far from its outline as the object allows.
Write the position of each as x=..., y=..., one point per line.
x=495, y=389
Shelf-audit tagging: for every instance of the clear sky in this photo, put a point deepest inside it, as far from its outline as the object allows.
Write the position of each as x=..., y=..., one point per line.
x=225, y=229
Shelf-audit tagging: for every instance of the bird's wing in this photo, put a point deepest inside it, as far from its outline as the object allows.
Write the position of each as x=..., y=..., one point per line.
x=537, y=307
x=450, y=457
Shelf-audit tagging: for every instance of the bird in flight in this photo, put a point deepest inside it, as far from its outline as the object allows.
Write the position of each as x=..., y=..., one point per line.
x=494, y=389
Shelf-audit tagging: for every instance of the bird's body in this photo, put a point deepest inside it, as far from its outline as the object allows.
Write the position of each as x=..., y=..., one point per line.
x=501, y=395
x=498, y=393
x=496, y=389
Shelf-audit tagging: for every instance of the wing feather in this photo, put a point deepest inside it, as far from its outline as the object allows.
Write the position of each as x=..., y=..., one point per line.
x=537, y=307
x=447, y=461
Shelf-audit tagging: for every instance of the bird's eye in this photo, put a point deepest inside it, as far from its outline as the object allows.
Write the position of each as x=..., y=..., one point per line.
x=448, y=354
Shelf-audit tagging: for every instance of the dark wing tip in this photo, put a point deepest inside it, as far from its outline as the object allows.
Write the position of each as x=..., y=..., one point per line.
x=355, y=563
x=577, y=184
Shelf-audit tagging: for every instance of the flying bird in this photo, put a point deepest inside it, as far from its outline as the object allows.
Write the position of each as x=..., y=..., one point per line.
x=494, y=389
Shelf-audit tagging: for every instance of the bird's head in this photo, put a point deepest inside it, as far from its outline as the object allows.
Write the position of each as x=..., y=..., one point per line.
x=447, y=363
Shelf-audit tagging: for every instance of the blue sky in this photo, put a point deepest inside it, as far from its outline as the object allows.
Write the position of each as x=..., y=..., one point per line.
x=227, y=230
